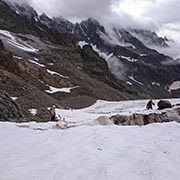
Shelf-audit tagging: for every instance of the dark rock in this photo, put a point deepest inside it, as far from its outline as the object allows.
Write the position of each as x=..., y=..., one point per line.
x=9, y=110
x=117, y=119
x=162, y=104
x=1, y=45
x=27, y=23
x=144, y=119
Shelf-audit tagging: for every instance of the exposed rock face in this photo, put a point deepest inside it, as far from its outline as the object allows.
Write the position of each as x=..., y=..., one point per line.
x=9, y=110
x=20, y=23
x=25, y=10
x=144, y=119
x=162, y=104
x=1, y=45
x=130, y=59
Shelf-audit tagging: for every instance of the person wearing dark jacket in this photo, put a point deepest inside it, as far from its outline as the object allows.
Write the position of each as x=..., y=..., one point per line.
x=150, y=104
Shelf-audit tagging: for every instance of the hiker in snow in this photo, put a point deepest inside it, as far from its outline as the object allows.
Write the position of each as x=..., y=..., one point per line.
x=53, y=113
x=150, y=104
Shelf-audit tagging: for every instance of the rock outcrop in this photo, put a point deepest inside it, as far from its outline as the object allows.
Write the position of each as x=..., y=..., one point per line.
x=163, y=104
x=144, y=119
x=9, y=110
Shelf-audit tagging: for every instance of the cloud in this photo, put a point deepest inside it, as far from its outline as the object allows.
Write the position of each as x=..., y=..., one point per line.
x=157, y=10
x=70, y=9
x=144, y=14
x=162, y=16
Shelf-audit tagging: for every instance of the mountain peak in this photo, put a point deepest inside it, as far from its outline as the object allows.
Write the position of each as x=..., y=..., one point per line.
x=90, y=21
x=149, y=37
x=25, y=10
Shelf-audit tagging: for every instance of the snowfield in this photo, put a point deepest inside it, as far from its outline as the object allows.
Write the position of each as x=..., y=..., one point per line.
x=16, y=42
x=40, y=151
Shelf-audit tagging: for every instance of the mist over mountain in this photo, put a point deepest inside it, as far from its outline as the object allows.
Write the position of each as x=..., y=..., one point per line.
x=142, y=12
x=145, y=15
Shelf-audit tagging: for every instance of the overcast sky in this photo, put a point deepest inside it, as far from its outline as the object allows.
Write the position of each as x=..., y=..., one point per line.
x=147, y=12
x=159, y=15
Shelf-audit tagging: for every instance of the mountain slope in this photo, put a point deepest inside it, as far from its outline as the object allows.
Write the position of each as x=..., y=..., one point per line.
x=27, y=24
x=129, y=59
x=40, y=73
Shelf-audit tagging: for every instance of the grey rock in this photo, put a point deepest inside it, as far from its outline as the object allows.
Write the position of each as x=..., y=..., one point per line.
x=144, y=119
x=9, y=110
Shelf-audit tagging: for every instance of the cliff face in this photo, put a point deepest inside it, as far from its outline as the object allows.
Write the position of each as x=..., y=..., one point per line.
x=130, y=57
x=9, y=110
x=82, y=71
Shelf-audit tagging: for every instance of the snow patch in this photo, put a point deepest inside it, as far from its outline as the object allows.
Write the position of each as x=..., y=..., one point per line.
x=51, y=64
x=33, y=111
x=133, y=79
x=129, y=83
x=14, y=98
x=128, y=58
x=174, y=86
x=7, y=34
x=34, y=62
x=36, y=59
x=17, y=42
x=82, y=44
x=54, y=89
x=104, y=55
x=55, y=73
x=21, y=46
x=143, y=55
x=17, y=57
x=155, y=83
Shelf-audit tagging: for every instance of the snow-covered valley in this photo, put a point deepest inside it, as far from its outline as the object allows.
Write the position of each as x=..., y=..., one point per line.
x=34, y=151
x=90, y=70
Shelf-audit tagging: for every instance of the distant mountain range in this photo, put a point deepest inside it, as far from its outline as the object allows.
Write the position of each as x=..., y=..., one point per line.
x=102, y=63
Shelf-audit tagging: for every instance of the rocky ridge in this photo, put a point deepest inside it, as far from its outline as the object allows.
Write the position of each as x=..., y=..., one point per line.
x=144, y=119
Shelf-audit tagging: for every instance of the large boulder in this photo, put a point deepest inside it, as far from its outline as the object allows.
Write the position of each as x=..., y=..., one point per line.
x=163, y=104
x=9, y=110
